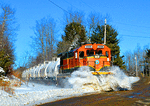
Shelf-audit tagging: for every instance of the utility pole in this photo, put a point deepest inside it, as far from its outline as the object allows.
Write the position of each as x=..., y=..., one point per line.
x=105, y=33
x=149, y=65
x=144, y=64
x=136, y=66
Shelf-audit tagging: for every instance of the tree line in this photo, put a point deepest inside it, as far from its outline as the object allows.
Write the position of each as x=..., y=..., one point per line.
x=75, y=33
x=142, y=56
x=77, y=30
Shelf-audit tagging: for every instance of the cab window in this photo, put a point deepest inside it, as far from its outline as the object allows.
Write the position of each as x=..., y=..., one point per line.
x=90, y=52
x=107, y=53
x=99, y=52
x=81, y=54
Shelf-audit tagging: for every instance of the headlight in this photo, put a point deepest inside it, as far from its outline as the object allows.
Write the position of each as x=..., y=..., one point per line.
x=96, y=56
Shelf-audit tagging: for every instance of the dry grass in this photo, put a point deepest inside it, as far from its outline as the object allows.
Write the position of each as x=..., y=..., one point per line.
x=8, y=86
x=148, y=80
x=4, y=83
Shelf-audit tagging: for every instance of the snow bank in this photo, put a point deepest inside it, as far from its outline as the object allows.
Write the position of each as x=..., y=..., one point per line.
x=35, y=94
x=1, y=70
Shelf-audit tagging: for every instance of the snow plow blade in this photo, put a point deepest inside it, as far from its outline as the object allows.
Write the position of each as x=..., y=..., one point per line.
x=98, y=73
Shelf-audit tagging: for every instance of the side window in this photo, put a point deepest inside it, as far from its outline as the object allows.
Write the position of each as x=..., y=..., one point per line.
x=81, y=54
x=71, y=54
x=88, y=52
x=107, y=53
x=76, y=55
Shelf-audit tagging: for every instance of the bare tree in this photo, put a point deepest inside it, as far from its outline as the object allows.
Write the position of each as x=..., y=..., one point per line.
x=92, y=21
x=7, y=30
x=44, y=41
x=50, y=39
x=130, y=61
x=74, y=16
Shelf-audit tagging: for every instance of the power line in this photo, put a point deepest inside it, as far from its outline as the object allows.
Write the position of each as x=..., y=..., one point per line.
x=94, y=10
x=130, y=24
x=133, y=31
x=70, y=4
x=134, y=36
x=87, y=5
x=115, y=22
x=60, y=7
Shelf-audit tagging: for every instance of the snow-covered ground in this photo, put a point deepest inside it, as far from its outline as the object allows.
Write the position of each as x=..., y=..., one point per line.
x=37, y=93
x=1, y=69
x=81, y=82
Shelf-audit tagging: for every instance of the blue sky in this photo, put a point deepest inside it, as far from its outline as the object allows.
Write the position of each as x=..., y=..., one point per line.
x=129, y=17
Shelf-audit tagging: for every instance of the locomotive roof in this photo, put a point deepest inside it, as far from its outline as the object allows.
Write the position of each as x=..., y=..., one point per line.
x=63, y=53
x=74, y=49
x=93, y=46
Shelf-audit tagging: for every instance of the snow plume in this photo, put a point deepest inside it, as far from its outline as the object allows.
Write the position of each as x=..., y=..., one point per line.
x=83, y=78
x=118, y=80
x=121, y=79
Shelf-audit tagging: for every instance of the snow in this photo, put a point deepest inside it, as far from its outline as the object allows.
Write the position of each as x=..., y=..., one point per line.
x=1, y=70
x=35, y=94
x=6, y=79
x=134, y=79
x=80, y=83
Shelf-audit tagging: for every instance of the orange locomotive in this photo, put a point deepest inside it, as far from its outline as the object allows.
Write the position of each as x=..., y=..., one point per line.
x=96, y=56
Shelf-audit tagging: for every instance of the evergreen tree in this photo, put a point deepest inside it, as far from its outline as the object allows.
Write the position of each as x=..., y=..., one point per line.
x=74, y=30
x=5, y=62
x=111, y=42
x=148, y=53
x=75, y=34
x=147, y=62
